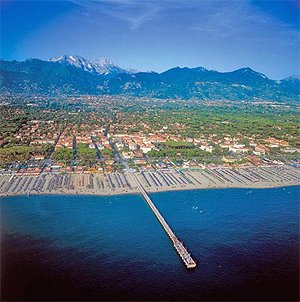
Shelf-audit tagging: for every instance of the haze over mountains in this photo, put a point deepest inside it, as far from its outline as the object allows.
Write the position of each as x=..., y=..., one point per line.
x=69, y=74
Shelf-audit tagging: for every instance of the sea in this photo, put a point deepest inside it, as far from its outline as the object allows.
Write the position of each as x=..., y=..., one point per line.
x=74, y=248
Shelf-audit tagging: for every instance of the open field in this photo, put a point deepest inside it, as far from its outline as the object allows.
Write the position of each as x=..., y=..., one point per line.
x=152, y=181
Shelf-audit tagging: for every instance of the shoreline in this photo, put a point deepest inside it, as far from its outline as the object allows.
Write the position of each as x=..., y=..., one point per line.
x=155, y=181
x=271, y=186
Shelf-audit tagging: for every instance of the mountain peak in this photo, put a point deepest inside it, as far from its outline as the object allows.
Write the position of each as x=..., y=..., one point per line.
x=52, y=77
x=100, y=66
x=104, y=62
x=246, y=70
x=66, y=58
x=201, y=68
x=250, y=71
x=74, y=60
x=293, y=77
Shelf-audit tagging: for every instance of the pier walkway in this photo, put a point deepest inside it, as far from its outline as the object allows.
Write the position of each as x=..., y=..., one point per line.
x=179, y=247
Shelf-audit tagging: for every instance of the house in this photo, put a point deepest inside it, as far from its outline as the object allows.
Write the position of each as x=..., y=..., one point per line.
x=127, y=155
x=255, y=160
x=138, y=153
x=238, y=148
x=100, y=169
x=228, y=159
x=290, y=150
x=109, y=162
x=140, y=161
x=260, y=150
x=57, y=166
x=146, y=149
x=132, y=146
x=68, y=169
x=207, y=148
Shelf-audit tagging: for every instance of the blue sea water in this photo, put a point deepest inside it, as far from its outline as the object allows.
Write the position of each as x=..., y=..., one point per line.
x=245, y=242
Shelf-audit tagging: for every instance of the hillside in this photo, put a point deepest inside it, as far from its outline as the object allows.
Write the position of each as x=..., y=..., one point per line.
x=68, y=76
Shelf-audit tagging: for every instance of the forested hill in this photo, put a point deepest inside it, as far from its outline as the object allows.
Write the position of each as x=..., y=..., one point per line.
x=56, y=77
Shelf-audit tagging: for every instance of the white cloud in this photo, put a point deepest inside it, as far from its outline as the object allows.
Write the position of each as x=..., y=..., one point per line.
x=133, y=12
x=243, y=21
x=137, y=12
x=219, y=18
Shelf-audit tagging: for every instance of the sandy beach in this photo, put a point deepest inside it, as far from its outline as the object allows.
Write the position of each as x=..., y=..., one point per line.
x=152, y=181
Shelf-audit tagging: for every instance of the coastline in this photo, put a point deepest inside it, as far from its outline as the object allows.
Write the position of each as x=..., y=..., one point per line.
x=150, y=192
x=115, y=184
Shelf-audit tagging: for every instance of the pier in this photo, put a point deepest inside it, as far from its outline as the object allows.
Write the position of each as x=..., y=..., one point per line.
x=179, y=247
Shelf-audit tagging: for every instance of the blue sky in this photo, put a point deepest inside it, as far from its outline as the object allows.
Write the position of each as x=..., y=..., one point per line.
x=158, y=34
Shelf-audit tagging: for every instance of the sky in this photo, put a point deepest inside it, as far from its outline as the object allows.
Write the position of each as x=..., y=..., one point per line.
x=156, y=35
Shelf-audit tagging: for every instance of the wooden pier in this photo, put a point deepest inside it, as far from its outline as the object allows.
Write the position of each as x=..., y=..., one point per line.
x=179, y=247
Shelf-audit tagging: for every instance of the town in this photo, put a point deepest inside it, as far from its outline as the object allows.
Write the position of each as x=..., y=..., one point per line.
x=105, y=135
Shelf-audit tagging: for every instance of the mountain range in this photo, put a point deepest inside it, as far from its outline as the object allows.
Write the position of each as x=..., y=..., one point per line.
x=101, y=66
x=69, y=74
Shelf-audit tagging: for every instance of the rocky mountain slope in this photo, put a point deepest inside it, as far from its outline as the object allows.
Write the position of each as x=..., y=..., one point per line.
x=76, y=75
